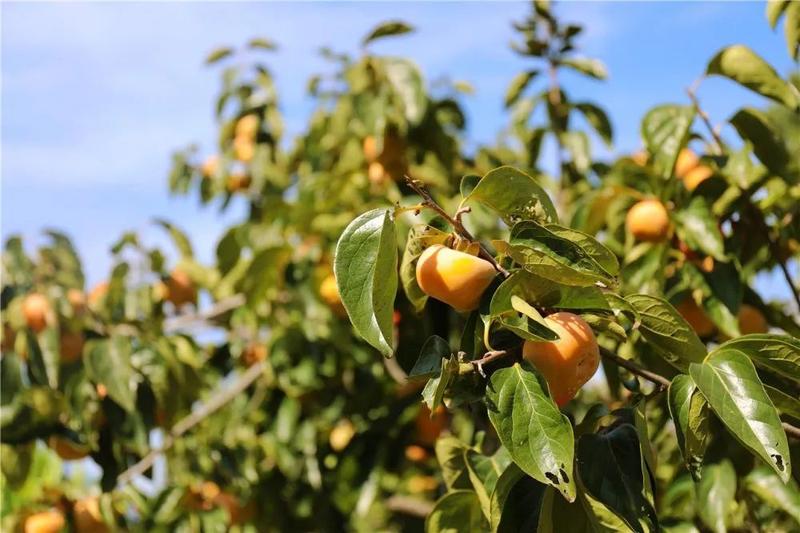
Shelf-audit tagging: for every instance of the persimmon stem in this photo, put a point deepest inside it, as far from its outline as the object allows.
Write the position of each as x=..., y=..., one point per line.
x=458, y=226
x=634, y=368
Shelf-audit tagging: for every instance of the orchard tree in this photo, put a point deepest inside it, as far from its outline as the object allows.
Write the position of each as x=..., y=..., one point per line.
x=249, y=391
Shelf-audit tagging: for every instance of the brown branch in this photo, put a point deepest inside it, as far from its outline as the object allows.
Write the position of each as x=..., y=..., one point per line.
x=458, y=226
x=219, y=308
x=692, y=92
x=477, y=364
x=634, y=368
x=791, y=431
x=409, y=505
x=222, y=397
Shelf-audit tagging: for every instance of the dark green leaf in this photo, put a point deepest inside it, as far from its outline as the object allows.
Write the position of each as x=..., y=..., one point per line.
x=108, y=362
x=778, y=353
x=667, y=332
x=740, y=64
x=715, y=495
x=598, y=119
x=44, y=358
x=516, y=501
x=514, y=196
x=178, y=237
x=610, y=467
x=450, y=454
x=430, y=358
x=484, y=471
x=697, y=227
x=366, y=273
x=756, y=127
x=785, y=404
x=528, y=423
x=729, y=382
x=690, y=413
x=771, y=490
x=459, y=510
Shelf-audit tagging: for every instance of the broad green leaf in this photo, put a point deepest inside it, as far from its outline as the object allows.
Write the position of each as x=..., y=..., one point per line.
x=545, y=293
x=518, y=86
x=545, y=265
x=11, y=384
x=484, y=471
x=697, y=227
x=775, y=9
x=730, y=384
x=778, y=353
x=515, y=502
x=456, y=511
x=665, y=130
x=716, y=493
x=409, y=86
x=722, y=299
x=610, y=468
x=430, y=358
x=756, y=127
x=108, y=362
x=419, y=238
x=740, y=64
x=593, y=68
x=35, y=413
x=178, y=237
x=578, y=146
x=503, y=310
x=387, y=29
x=44, y=357
x=15, y=462
x=514, y=196
x=228, y=250
x=434, y=390
x=528, y=423
x=667, y=332
x=771, y=490
x=450, y=454
x=690, y=413
x=557, y=514
x=366, y=273
x=597, y=118
x=591, y=246
x=218, y=54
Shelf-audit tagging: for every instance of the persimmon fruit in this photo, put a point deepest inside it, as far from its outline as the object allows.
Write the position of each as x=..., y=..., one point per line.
x=648, y=221
x=453, y=277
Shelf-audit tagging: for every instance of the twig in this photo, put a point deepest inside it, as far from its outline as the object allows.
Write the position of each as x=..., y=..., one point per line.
x=477, y=364
x=775, y=251
x=219, y=308
x=222, y=397
x=791, y=431
x=409, y=505
x=634, y=368
x=458, y=226
x=691, y=91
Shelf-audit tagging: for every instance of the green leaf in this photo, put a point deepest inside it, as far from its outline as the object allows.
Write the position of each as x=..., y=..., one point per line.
x=756, y=127
x=434, y=390
x=503, y=309
x=791, y=27
x=528, y=423
x=593, y=68
x=610, y=467
x=218, y=54
x=450, y=454
x=665, y=130
x=387, y=29
x=715, y=495
x=740, y=64
x=44, y=357
x=697, y=227
x=785, y=404
x=518, y=86
x=11, y=384
x=419, y=238
x=178, y=237
x=591, y=246
x=667, y=332
x=456, y=511
x=409, y=86
x=577, y=144
x=729, y=382
x=365, y=266
x=514, y=502
x=108, y=362
x=228, y=250
x=690, y=413
x=597, y=119
x=775, y=9
x=430, y=358
x=557, y=514
x=771, y=490
x=262, y=43
x=514, y=196
x=777, y=353
x=484, y=471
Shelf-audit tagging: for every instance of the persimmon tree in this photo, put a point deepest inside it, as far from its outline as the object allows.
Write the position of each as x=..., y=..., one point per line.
x=400, y=333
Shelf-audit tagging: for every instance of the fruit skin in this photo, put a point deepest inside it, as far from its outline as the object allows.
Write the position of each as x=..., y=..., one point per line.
x=210, y=166
x=202, y=497
x=180, y=288
x=696, y=176
x=71, y=346
x=329, y=292
x=66, y=449
x=687, y=160
x=51, y=521
x=456, y=278
x=97, y=294
x=244, y=149
x=247, y=127
x=77, y=300
x=569, y=362
x=341, y=435
x=237, y=182
x=36, y=310
x=370, y=148
x=696, y=317
x=86, y=516
x=416, y=454
x=430, y=427
x=751, y=320
x=376, y=173
x=640, y=158
x=648, y=221
x=253, y=354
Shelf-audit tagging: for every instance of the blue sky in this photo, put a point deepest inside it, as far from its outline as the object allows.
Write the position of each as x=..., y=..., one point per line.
x=96, y=96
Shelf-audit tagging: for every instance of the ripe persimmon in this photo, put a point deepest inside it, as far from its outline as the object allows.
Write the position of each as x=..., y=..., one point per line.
x=453, y=277
x=648, y=221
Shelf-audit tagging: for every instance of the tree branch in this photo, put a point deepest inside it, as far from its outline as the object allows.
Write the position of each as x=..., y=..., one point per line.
x=409, y=505
x=791, y=431
x=222, y=397
x=219, y=308
x=692, y=92
x=458, y=226
x=634, y=368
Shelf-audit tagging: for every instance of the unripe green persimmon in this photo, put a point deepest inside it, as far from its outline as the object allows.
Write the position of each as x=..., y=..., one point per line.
x=455, y=278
